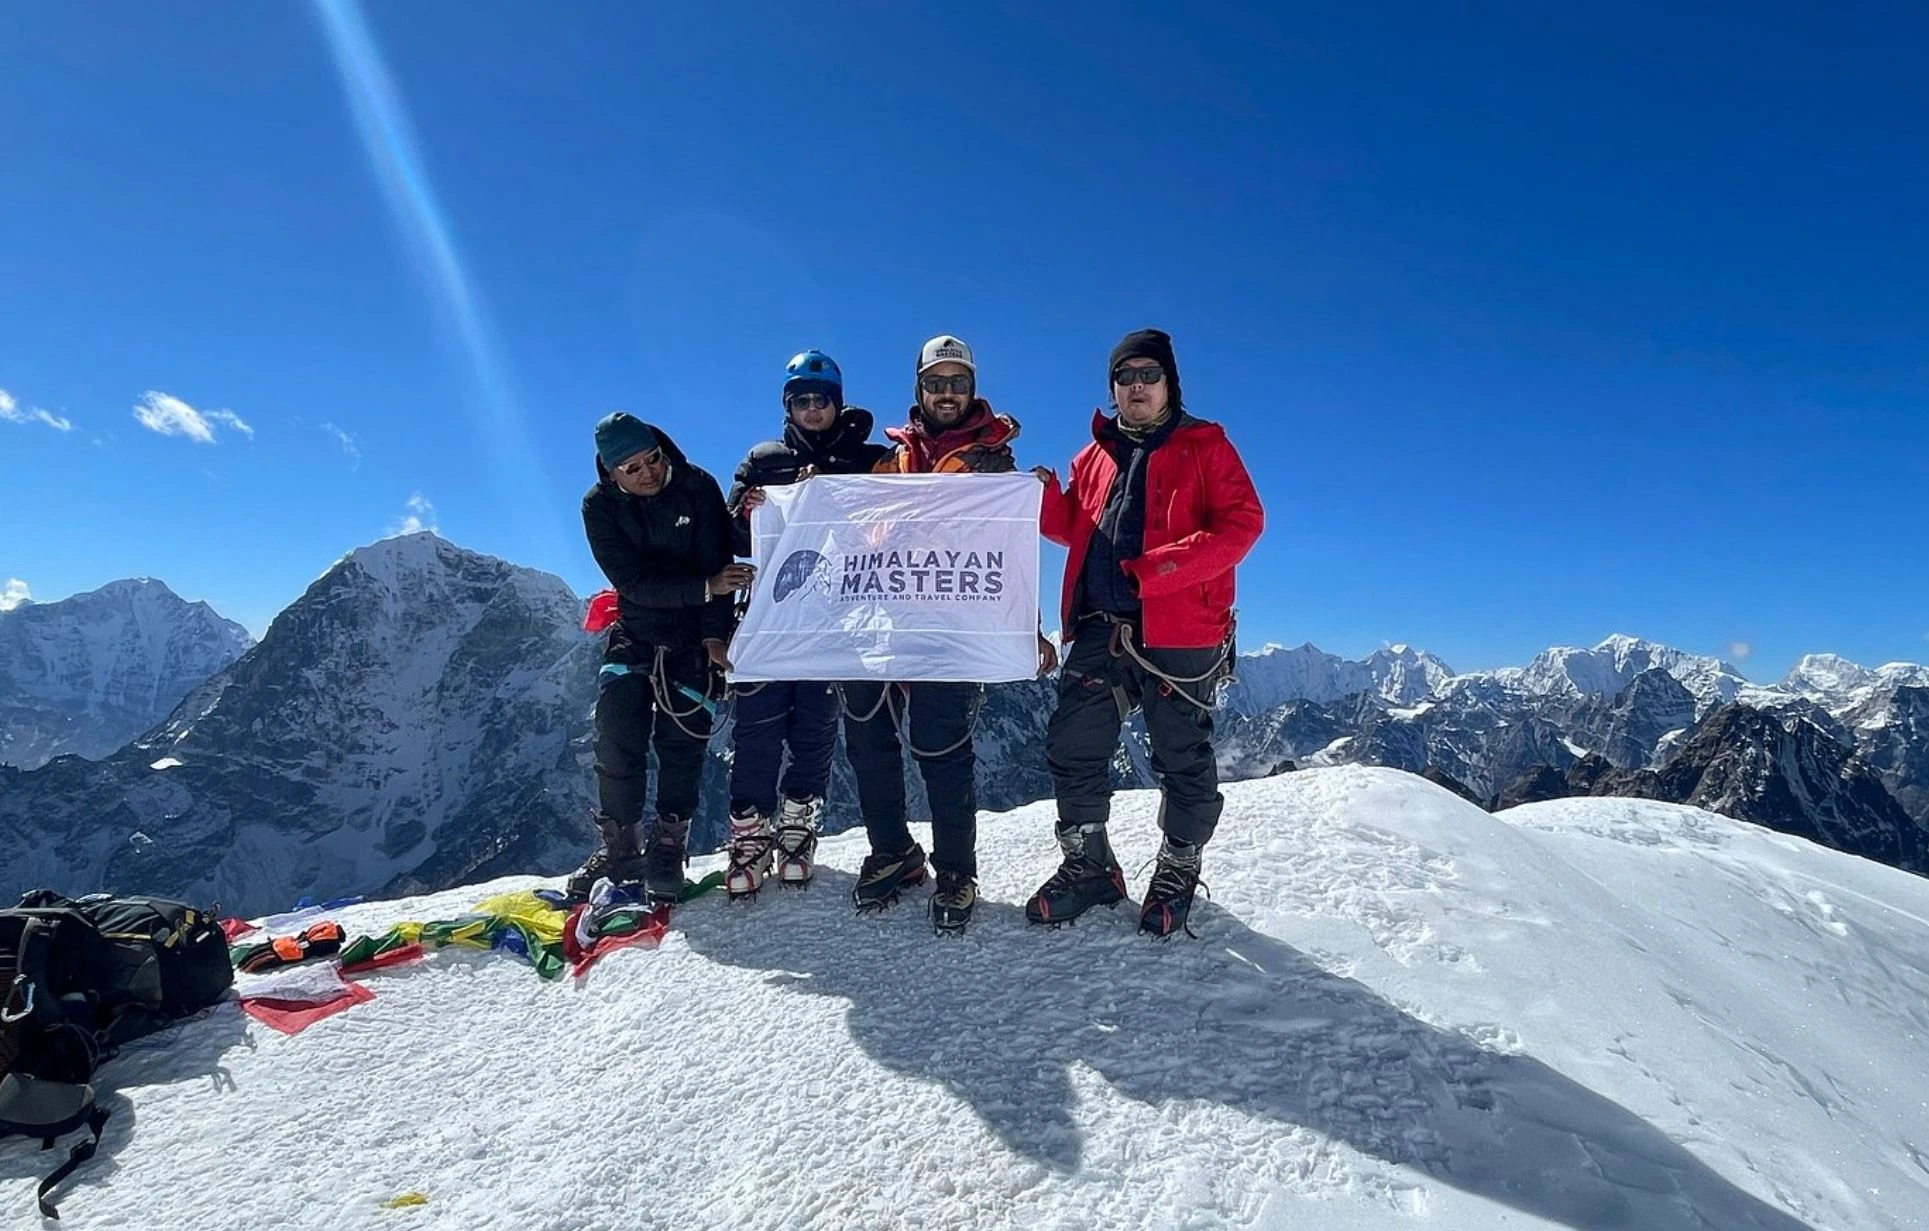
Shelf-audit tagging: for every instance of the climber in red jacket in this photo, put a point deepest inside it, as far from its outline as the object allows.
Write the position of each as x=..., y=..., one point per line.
x=1158, y=513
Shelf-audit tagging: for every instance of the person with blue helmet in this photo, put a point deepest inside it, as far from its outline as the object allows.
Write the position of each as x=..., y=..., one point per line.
x=773, y=820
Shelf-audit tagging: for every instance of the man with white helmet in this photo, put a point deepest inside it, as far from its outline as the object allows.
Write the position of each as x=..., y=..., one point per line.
x=950, y=430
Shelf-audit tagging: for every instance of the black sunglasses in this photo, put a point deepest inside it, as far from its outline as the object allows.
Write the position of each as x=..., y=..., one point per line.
x=635, y=466
x=808, y=401
x=946, y=384
x=1150, y=374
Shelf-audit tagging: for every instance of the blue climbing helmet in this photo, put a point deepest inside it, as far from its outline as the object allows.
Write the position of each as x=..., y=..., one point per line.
x=813, y=371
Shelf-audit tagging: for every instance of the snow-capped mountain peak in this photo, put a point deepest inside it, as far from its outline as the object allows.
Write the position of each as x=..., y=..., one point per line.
x=1405, y=676
x=1275, y=675
x=88, y=673
x=1612, y=665
x=1840, y=686
x=1826, y=675
x=412, y=718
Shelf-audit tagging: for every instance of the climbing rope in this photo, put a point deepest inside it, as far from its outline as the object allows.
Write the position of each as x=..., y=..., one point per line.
x=664, y=690
x=901, y=721
x=1122, y=643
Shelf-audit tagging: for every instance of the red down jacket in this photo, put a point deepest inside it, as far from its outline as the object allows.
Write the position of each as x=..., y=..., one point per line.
x=1201, y=518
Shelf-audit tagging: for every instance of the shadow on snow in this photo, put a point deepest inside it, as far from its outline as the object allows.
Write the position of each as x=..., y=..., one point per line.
x=1237, y=1018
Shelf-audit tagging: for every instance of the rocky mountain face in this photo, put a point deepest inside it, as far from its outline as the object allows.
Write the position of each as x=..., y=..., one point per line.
x=421, y=718
x=1895, y=741
x=85, y=675
x=1628, y=729
x=1778, y=770
x=1786, y=773
x=1560, y=725
x=417, y=719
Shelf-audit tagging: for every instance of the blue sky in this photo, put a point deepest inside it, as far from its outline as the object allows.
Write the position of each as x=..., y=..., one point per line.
x=1532, y=327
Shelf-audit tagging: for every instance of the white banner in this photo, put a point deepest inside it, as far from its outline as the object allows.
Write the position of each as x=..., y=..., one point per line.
x=894, y=577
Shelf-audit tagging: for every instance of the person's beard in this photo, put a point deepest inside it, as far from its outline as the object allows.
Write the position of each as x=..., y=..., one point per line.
x=947, y=411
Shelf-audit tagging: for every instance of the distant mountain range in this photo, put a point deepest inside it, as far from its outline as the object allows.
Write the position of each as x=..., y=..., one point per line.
x=420, y=718
x=1835, y=751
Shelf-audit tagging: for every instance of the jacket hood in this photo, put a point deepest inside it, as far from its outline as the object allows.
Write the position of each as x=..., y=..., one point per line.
x=678, y=461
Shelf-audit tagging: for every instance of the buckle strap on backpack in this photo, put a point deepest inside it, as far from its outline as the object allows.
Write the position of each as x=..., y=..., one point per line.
x=96, y=1120
x=22, y=989
x=36, y=943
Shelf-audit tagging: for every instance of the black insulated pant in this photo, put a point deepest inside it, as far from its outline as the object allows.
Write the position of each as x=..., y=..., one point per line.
x=629, y=722
x=940, y=732
x=1096, y=692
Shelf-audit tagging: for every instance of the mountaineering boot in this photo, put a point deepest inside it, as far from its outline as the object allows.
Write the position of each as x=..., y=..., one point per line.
x=1168, y=899
x=1090, y=876
x=796, y=840
x=664, y=859
x=882, y=876
x=749, y=853
x=952, y=903
x=618, y=859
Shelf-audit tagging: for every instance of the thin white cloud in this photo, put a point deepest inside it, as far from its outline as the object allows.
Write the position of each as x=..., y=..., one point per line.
x=10, y=412
x=14, y=593
x=170, y=416
x=232, y=420
x=420, y=517
x=347, y=441
x=1740, y=650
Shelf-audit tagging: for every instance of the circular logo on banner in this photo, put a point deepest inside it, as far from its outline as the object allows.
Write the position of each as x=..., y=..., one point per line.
x=802, y=570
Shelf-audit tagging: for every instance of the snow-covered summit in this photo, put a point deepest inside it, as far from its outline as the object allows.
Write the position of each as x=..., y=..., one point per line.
x=1841, y=686
x=1612, y=665
x=1400, y=1012
x=87, y=674
x=424, y=567
x=1821, y=675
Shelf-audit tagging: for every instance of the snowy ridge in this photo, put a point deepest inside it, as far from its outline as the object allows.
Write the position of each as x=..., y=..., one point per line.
x=1612, y=665
x=1844, y=688
x=86, y=674
x=1401, y=1012
x=1275, y=675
